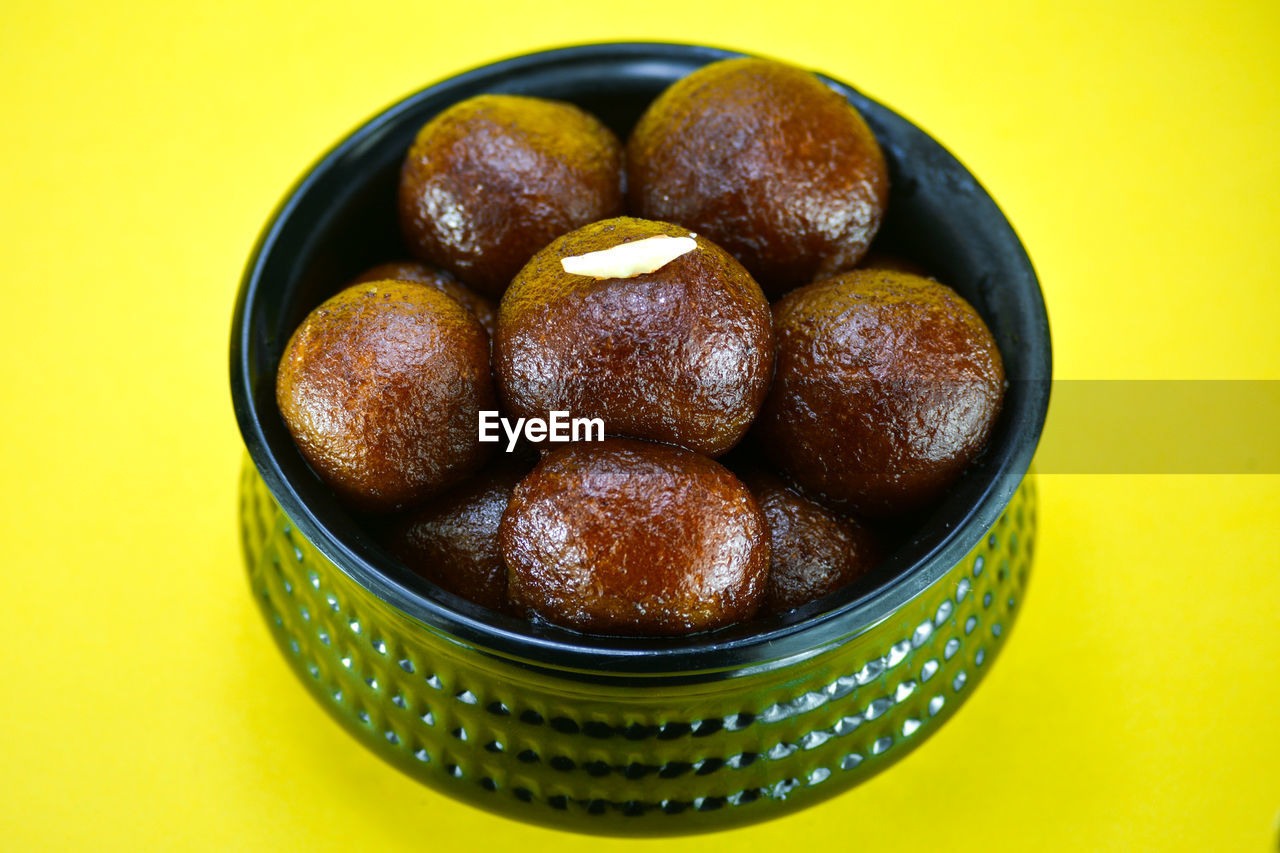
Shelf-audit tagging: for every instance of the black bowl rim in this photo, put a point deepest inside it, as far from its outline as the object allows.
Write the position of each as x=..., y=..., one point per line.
x=566, y=651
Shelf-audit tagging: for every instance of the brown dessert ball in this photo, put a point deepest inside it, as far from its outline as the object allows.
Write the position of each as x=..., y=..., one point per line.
x=493, y=179
x=452, y=540
x=482, y=309
x=887, y=386
x=767, y=161
x=381, y=387
x=628, y=537
x=813, y=550
x=681, y=355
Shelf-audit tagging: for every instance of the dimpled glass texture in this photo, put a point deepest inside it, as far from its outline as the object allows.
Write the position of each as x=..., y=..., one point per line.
x=583, y=756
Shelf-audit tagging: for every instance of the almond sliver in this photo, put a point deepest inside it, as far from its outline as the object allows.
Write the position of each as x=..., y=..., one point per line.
x=627, y=260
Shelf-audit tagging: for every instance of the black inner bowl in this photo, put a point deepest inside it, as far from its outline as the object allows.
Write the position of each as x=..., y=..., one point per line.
x=340, y=219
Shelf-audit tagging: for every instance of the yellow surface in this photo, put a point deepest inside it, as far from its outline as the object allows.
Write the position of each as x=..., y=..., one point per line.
x=141, y=147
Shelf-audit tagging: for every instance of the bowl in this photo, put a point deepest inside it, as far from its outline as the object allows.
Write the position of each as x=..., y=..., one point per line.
x=638, y=736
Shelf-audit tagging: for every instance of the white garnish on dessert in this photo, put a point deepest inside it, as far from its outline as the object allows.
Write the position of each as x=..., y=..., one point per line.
x=630, y=259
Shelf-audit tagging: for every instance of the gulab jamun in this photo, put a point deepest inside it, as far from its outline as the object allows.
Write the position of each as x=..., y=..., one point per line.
x=887, y=386
x=381, y=387
x=452, y=539
x=766, y=160
x=494, y=178
x=813, y=550
x=629, y=537
x=680, y=355
x=483, y=310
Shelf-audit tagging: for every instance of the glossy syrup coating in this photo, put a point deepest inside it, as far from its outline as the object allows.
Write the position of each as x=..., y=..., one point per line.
x=813, y=550
x=452, y=540
x=682, y=355
x=494, y=178
x=481, y=308
x=887, y=386
x=768, y=162
x=381, y=388
x=630, y=537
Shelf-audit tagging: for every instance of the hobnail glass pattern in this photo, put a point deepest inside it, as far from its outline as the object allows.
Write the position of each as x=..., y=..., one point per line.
x=555, y=748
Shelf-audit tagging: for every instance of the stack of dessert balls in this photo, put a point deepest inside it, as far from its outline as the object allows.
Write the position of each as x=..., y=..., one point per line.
x=769, y=396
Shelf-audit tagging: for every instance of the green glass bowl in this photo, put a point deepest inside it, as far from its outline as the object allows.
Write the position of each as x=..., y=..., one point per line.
x=633, y=736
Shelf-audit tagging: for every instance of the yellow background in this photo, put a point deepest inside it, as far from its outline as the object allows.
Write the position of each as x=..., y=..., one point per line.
x=142, y=145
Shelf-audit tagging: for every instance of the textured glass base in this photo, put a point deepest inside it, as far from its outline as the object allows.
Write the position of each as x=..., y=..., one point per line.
x=628, y=760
